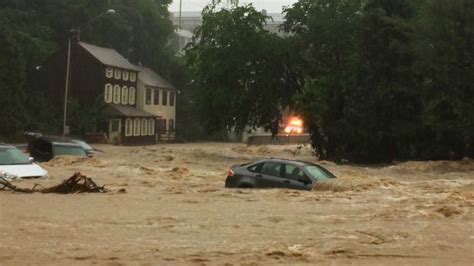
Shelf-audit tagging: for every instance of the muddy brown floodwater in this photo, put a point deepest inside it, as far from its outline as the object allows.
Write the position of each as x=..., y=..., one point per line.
x=177, y=211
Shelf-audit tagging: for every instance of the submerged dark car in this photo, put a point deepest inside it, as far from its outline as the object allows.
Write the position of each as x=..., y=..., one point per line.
x=45, y=148
x=277, y=173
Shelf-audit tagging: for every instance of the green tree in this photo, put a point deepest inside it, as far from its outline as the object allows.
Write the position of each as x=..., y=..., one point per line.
x=446, y=63
x=386, y=103
x=325, y=40
x=238, y=70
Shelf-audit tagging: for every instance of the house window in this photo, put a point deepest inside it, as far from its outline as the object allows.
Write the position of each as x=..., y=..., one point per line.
x=115, y=125
x=125, y=75
x=144, y=126
x=117, y=94
x=151, y=127
x=109, y=72
x=172, y=98
x=164, y=98
x=148, y=97
x=156, y=97
x=136, y=127
x=117, y=73
x=124, y=95
x=131, y=96
x=129, y=127
x=133, y=76
x=108, y=93
x=163, y=125
x=171, y=127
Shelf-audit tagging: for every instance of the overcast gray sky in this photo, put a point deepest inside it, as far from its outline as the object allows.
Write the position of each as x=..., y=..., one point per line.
x=198, y=5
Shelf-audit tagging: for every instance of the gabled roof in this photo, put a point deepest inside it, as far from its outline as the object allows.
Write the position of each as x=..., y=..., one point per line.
x=108, y=56
x=126, y=111
x=151, y=78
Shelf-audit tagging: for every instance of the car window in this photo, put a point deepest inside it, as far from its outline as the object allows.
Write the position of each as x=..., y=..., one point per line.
x=293, y=172
x=254, y=168
x=271, y=168
x=83, y=144
x=69, y=150
x=9, y=156
x=317, y=173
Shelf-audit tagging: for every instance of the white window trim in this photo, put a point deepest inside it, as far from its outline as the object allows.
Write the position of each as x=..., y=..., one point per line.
x=116, y=97
x=128, y=127
x=144, y=125
x=136, y=127
x=117, y=73
x=125, y=75
x=124, y=95
x=133, y=76
x=108, y=93
x=146, y=96
x=131, y=95
x=109, y=74
x=151, y=127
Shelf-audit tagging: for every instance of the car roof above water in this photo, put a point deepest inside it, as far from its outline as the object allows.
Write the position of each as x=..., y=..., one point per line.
x=59, y=140
x=277, y=160
x=5, y=145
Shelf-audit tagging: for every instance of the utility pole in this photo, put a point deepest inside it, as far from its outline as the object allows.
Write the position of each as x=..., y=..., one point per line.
x=74, y=33
x=180, y=11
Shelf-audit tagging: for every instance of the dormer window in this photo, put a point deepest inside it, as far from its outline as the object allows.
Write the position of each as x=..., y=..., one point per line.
x=133, y=76
x=117, y=73
x=109, y=72
x=125, y=75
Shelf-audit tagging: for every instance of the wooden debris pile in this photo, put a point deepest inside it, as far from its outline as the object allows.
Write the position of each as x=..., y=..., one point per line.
x=75, y=184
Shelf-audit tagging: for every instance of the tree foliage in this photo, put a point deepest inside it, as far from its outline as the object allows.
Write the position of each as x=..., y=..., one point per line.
x=240, y=70
x=385, y=79
x=30, y=31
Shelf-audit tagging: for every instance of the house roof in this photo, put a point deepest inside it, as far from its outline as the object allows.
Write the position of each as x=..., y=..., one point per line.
x=151, y=78
x=126, y=111
x=108, y=56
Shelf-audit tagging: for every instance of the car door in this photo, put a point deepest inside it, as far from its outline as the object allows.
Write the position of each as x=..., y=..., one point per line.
x=269, y=175
x=293, y=178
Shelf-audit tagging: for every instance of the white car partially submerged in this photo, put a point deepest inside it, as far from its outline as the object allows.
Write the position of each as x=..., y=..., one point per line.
x=14, y=164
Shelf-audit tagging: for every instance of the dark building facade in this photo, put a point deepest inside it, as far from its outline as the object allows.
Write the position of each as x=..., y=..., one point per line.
x=99, y=74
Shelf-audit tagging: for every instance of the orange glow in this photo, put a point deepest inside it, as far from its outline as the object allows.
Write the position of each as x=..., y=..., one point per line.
x=295, y=126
